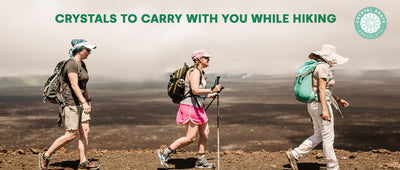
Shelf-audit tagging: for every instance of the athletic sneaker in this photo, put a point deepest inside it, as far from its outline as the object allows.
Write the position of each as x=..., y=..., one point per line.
x=163, y=158
x=292, y=160
x=88, y=165
x=43, y=162
x=203, y=163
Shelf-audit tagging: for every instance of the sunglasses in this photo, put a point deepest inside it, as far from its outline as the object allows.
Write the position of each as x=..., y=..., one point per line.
x=208, y=58
x=88, y=50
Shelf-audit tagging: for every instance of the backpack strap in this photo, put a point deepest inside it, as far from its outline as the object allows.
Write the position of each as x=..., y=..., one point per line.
x=62, y=105
x=329, y=69
x=63, y=78
x=190, y=89
x=328, y=95
x=201, y=74
x=79, y=66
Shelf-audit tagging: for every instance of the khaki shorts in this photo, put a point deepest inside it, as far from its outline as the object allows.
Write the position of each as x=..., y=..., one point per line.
x=73, y=116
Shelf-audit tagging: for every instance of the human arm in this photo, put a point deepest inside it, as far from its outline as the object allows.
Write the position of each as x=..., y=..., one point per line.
x=73, y=79
x=87, y=97
x=194, y=79
x=322, y=98
x=211, y=95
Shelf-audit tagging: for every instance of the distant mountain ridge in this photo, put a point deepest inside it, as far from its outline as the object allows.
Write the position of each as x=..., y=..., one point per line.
x=22, y=81
x=39, y=80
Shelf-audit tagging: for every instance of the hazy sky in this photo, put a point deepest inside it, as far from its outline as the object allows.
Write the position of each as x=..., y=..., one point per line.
x=32, y=42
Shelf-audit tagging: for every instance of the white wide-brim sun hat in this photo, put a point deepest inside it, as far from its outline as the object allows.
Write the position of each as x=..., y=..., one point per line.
x=329, y=54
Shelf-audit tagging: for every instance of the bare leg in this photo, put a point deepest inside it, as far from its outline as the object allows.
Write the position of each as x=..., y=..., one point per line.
x=203, y=131
x=83, y=140
x=191, y=134
x=69, y=136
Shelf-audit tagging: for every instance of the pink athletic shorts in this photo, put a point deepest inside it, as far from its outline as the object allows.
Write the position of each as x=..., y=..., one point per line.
x=188, y=112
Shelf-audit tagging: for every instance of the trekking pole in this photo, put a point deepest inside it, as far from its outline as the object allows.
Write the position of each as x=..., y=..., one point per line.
x=218, y=129
x=213, y=99
x=216, y=82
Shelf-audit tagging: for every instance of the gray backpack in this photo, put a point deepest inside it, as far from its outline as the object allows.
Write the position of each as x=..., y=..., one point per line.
x=53, y=85
x=52, y=91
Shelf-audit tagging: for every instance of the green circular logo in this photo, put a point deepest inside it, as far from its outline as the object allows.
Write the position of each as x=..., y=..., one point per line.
x=370, y=23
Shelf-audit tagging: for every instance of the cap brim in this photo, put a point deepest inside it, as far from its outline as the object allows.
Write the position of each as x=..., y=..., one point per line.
x=91, y=46
x=206, y=55
x=85, y=44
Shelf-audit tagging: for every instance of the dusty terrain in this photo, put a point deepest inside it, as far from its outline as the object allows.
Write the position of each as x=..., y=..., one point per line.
x=147, y=159
x=259, y=117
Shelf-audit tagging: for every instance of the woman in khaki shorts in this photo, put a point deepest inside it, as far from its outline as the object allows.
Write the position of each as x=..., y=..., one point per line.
x=76, y=114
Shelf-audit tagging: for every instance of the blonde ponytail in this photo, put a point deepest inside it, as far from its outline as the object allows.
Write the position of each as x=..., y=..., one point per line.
x=196, y=62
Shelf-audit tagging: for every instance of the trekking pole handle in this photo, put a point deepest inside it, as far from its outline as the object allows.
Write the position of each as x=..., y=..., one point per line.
x=216, y=82
x=222, y=88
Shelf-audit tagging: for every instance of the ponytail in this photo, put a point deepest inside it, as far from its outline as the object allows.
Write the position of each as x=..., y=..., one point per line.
x=196, y=62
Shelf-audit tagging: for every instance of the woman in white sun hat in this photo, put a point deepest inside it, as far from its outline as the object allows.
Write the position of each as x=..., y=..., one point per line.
x=321, y=111
x=191, y=112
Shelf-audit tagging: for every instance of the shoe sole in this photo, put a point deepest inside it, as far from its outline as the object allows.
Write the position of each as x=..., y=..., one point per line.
x=200, y=167
x=292, y=161
x=90, y=168
x=163, y=163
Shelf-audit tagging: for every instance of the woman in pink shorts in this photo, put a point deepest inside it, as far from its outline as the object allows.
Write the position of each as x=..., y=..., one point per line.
x=191, y=111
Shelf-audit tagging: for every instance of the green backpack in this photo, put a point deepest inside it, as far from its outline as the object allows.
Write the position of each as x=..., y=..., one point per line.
x=303, y=84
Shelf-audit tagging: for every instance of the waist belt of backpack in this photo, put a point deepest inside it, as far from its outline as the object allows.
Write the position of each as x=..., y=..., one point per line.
x=328, y=96
x=331, y=102
x=195, y=98
x=192, y=95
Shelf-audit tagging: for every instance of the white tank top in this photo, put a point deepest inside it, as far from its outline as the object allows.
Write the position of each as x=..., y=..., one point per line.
x=190, y=99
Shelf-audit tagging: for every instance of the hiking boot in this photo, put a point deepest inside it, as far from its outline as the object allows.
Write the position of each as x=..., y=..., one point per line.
x=292, y=160
x=88, y=165
x=163, y=157
x=203, y=163
x=43, y=161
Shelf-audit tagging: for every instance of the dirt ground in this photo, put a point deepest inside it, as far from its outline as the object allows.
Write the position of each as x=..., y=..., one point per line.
x=147, y=159
x=260, y=119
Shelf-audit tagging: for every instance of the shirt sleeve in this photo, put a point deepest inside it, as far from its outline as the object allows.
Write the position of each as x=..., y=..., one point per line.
x=71, y=67
x=322, y=71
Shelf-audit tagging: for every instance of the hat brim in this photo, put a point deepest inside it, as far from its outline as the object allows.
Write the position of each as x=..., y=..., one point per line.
x=86, y=44
x=318, y=53
x=340, y=60
x=332, y=59
x=90, y=46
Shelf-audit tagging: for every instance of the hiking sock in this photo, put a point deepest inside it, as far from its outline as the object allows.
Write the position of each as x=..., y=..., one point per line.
x=201, y=156
x=202, y=162
x=45, y=157
x=167, y=151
